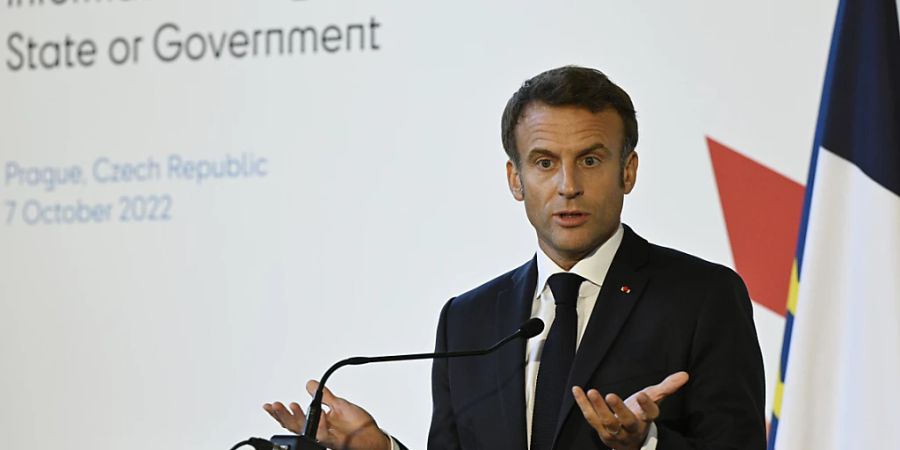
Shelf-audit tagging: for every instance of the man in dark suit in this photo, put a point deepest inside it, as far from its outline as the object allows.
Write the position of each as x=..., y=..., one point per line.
x=675, y=313
x=622, y=313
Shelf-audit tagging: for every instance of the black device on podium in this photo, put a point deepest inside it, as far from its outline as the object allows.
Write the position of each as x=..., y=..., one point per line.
x=294, y=442
x=307, y=441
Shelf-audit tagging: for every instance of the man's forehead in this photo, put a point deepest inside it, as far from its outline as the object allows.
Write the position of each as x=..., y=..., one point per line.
x=540, y=121
x=539, y=111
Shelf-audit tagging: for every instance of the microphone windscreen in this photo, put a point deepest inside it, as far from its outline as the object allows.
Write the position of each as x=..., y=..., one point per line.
x=532, y=328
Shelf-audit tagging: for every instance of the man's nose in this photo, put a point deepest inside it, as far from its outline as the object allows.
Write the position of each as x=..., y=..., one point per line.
x=569, y=183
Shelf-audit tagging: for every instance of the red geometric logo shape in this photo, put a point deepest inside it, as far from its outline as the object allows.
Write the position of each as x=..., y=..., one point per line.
x=762, y=211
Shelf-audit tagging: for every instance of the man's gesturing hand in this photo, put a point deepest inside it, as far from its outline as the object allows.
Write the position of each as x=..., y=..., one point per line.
x=345, y=427
x=624, y=425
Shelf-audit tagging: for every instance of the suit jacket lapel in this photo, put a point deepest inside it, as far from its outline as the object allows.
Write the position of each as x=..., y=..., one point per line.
x=514, y=308
x=612, y=309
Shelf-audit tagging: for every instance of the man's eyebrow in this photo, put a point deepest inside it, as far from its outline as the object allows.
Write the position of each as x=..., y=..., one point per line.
x=538, y=151
x=596, y=147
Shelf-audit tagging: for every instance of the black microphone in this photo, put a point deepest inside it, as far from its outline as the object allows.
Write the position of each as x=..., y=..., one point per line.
x=307, y=441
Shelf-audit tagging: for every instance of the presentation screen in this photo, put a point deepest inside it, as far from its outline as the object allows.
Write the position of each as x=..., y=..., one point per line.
x=206, y=203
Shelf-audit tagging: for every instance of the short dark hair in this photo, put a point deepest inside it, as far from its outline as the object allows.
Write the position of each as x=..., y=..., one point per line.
x=569, y=86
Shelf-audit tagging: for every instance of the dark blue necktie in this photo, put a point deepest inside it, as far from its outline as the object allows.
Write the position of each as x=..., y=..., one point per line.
x=556, y=360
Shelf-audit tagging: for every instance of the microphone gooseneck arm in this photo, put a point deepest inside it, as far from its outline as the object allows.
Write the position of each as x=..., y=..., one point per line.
x=529, y=329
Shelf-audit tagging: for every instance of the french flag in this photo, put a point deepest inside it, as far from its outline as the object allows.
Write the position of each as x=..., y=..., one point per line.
x=839, y=383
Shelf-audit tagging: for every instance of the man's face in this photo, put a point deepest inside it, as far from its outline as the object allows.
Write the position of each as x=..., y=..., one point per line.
x=570, y=177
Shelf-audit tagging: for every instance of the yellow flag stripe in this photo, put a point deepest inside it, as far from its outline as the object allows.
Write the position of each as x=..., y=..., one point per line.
x=794, y=289
x=779, y=393
x=792, y=311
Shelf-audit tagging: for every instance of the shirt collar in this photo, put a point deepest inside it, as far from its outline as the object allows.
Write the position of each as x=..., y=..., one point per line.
x=592, y=268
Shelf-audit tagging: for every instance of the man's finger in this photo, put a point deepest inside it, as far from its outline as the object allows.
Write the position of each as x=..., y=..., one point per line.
x=330, y=399
x=610, y=426
x=586, y=407
x=327, y=397
x=279, y=409
x=311, y=387
x=271, y=411
x=281, y=414
x=667, y=387
x=626, y=418
x=297, y=411
x=600, y=406
x=649, y=408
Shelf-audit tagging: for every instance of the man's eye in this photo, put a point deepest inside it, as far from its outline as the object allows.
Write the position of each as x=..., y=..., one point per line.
x=545, y=163
x=591, y=161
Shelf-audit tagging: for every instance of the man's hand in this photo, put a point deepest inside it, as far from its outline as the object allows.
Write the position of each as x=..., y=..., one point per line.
x=345, y=427
x=624, y=425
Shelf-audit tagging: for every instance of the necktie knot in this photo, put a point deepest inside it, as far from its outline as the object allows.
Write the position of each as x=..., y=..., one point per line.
x=565, y=287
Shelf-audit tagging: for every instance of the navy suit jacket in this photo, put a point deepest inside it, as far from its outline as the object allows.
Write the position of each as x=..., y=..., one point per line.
x=676, y=312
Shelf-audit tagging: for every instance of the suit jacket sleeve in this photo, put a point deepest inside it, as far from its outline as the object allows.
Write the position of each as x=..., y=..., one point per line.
x=724, y=400
x=443, y=434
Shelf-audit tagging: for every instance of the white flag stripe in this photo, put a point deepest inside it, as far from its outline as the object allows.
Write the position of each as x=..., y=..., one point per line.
x=843, y=371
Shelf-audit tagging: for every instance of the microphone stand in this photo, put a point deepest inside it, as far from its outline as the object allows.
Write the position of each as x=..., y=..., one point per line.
x=307, y=440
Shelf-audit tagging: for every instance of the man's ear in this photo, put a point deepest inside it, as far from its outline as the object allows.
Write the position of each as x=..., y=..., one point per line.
x=629, y=177
x=515, y=182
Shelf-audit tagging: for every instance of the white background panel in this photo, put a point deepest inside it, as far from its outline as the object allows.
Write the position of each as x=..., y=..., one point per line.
x=385, y=194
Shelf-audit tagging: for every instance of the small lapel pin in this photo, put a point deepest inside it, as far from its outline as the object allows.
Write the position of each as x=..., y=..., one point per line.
x=625, y=289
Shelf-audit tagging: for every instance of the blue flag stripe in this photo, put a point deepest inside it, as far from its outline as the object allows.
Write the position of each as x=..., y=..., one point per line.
x=862, y=122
